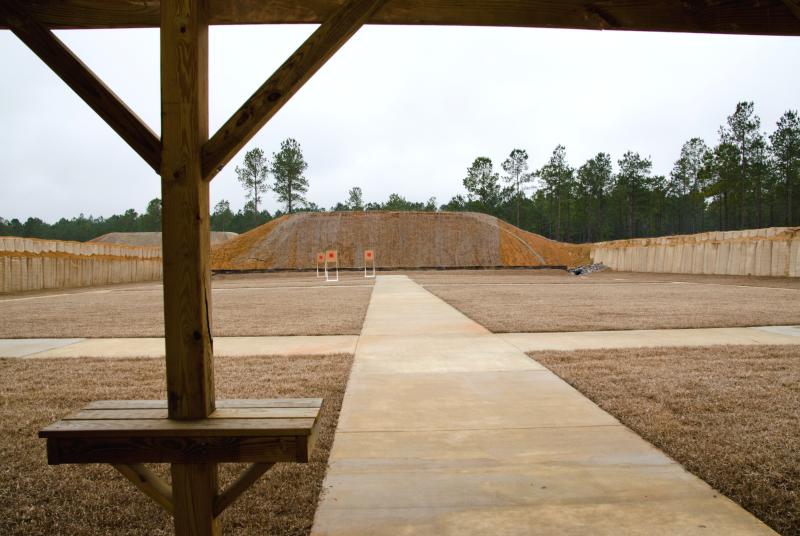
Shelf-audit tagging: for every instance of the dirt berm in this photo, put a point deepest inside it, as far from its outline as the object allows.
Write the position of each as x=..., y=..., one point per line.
x=399, y=239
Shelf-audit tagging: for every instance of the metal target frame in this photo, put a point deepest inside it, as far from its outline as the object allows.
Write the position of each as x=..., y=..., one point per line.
x=331, y=255
x=320, y=260
x=369, y=255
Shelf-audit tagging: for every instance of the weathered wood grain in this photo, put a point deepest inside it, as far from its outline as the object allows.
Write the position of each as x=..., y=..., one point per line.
x=222, y=449
x=224, y=403
x=194, y=487
x=85, y=83
x=185, y=209
x=285, y=82
x=172, y=428
x=219, y=413
x=149, y=483
x=767, y=17
x=239, y=486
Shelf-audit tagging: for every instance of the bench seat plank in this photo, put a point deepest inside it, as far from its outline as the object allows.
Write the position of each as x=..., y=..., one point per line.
x=234, y=403
x=170, y=428
x=221, y=413
x=138, y=431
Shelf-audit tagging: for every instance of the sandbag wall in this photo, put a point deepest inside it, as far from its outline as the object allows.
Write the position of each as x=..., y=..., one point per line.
x=33, y=264
x=761, y=252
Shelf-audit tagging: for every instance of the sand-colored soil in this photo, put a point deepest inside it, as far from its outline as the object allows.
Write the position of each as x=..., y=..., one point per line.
x=93, y=500
x=728, y=414
x=249, y=306
x=601, y=303
x=399, y=240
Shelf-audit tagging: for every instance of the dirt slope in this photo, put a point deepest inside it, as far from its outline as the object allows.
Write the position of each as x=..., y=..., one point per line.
x=151, y=239
x=399, y=239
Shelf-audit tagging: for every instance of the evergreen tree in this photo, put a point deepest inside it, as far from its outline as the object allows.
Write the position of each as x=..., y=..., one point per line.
x=253, y=176
x=516, y=166
x=482, y=184
x=633, y=181
x=288, y=168
x=785, y=150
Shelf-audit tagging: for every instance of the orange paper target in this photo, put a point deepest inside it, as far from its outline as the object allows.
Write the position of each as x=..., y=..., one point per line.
x=369, y=255
x=331, y=254
x=320, y=257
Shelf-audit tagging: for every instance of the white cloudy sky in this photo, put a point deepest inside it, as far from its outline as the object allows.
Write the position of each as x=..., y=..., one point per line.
x=398, y=109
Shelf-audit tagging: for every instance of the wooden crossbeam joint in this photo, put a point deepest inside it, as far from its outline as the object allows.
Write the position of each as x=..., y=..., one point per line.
x=239, y=486
x=285, y=82
x=149, y=483
x=793, y=6
x=53, y=52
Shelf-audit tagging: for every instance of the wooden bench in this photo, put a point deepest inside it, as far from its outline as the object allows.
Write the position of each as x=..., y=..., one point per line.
x=128, y=433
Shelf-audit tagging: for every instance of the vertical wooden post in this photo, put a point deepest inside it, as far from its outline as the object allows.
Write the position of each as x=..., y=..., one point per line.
x=186, y=246
x=185, y=213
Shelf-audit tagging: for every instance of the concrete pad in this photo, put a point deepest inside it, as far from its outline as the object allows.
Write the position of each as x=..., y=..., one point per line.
x=28, y=347
x=792, y=331
x=109, y=348
x=446, y=353
x=465, y=400
x=651, y=338
x=447, y=429
x=687, y=517
x=223, y=347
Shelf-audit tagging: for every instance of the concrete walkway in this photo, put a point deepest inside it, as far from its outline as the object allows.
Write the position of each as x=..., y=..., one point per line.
x=651, y=338
x=154, y=347
x=448, y=429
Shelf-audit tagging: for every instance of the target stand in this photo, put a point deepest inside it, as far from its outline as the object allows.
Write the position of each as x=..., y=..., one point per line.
x=320, y=262
x=331, y=263
x=369, y=258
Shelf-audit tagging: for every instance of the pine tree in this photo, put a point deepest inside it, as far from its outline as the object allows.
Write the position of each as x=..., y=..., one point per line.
x=288, y=168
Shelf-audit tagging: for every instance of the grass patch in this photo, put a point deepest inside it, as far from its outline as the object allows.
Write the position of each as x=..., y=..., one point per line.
x=95, y=500
x=602, y=304
x=241, y=306
x=729, y=414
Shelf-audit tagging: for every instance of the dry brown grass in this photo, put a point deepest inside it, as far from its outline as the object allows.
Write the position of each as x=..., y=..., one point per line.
x=95, y=500
x=538, y=277
x=619, y=306
x=729, y=414
x=249, y=306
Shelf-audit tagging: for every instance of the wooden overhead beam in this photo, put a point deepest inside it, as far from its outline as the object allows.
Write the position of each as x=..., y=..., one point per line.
x=794, y=7
x=765, y=17
x=84, y=82
x=329, y=37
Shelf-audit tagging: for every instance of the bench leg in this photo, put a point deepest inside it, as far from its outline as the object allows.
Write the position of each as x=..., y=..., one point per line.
x=194, y=487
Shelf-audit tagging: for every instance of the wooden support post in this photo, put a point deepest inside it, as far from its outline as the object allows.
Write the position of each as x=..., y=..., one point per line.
x=186, y=247
x=193, y=500
x=185, y=217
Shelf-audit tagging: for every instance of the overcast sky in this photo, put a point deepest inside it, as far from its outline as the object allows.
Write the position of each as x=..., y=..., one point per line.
x=398, y=109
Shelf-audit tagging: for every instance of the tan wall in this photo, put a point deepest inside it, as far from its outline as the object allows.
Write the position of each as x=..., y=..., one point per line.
x=763, y=252
x=33, y=264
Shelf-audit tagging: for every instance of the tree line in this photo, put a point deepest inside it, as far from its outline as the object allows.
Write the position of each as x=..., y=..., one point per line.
x=747, y=179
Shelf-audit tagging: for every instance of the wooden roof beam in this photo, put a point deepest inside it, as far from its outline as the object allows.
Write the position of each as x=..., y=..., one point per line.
x=284, y=83
x=765, y=17
x=84, y=82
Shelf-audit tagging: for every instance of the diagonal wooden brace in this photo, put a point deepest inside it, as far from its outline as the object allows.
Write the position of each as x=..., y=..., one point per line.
x=147, y=481
x=83, y=81
x=239, y=486
x=284, y=83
